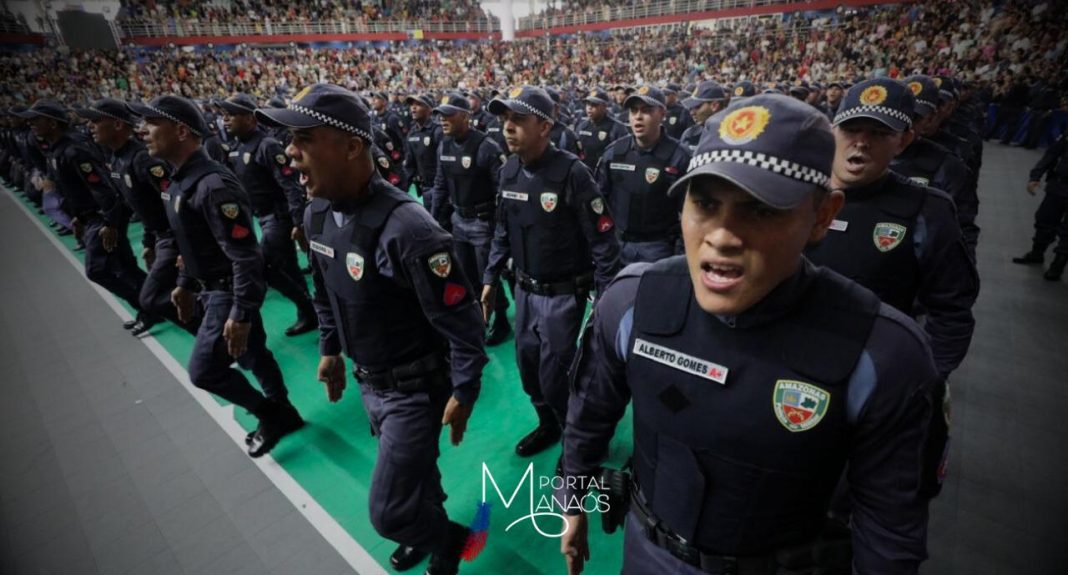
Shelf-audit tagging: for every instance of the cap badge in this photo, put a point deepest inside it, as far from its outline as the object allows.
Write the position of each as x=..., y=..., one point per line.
x=593, y=94
x=643, y=90
x=515, y=92
x=873, y=96
x=302, y=93
x=738, y=91
x=916, y=88
x=744, y=125
x=444, y=100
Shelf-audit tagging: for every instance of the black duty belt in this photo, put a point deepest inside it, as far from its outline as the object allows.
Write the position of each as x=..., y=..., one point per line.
x=662, y=536
x=221, y=284
x=424, y=374
x=575, y=285
x=481, y=211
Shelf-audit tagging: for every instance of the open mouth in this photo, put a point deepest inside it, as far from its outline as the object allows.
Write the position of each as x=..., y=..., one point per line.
x=721, y=276
x=856, y=162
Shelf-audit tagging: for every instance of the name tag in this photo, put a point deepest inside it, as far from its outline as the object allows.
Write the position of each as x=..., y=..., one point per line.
x=447, y=158
x=513, y=195
x=166, y=197
x=234, y=154
x=839, y=225
x=680, y=361
x=321, y=249
x=624, y=167
x=585, y=133
x=413, y=139
x=116, y=176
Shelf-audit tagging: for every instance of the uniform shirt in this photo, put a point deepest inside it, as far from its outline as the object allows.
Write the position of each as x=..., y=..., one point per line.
x=889, y=406
x=420, y=152
x=222, y=206
x=952, y=177
x=217, y=149
x=675, y=168
x=488, y=158
x=140, y=178
x=409, y=237
x=278, y=184
x=481, y=119
x=579, y=194
x=390, y=124
x=83, y=181
x=596, y=136
x=495, y=130
x=677, y=120
x=1053, y=165
x=691, y=137
x=565, y=139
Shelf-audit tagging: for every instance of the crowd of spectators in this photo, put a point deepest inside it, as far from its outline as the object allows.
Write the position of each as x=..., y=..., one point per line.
x=1012, y=49
x=293, y=11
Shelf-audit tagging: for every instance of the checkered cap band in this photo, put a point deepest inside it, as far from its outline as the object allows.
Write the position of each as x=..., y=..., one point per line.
x=883, y=110
x=926, y=103
x=532, y=109
x=112, y=116
x=170, y=117
x=763, y=161
x=332, y=121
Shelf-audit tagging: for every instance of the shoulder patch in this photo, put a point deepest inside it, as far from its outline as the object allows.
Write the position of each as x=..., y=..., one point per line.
x=156, y=171
x=231, y=210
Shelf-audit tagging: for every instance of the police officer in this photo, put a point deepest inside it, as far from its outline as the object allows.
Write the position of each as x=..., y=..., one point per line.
x=466, y=185
x=280, y=134
x=38, y=155
x=1051, y=219
x=559, y=232
x=598, y=130
x=835, y=90
x=707, y=99
x=260, y=163
x=495, y=131
x=634, y=175
x=480, y=118
x=99, y=216
x=390, y=296
x=222, y=271
x=931, y=164
x=562, y=136
x=390, y=171
x=420, y=155
x=387, y=123
x=140, y=179
x=743, y=89
x=677, y=118
x=756, y=376
x=897, y=238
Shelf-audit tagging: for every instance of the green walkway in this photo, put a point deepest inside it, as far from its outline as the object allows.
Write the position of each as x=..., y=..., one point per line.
x=332, y=457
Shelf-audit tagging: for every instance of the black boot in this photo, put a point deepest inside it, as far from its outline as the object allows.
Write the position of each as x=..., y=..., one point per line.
x=1056, y=268
x=404, y=558
x=278, y=418
x=447, y=561
x=145, y=321
x=499, y=332
x=1036, y=256
x=307, y=321
x=543, y=437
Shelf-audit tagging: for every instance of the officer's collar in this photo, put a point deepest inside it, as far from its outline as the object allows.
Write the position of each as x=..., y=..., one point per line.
x=867, y=190
x=651, y=149
x=779, y=302
x=543, y=160
x=348, y=206
x=199, y=156
x=253, y=133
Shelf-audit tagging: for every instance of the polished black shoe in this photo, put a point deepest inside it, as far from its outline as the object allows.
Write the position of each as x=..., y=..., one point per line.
x=250, y=436
x=129, y=324
x=1056, y=268
x=404, y=558
x=498, y=333
x=276, y=421
x=448, y=561
x=1031, y=257
x=65, y=232
x=305, y=322
x=543, y=437
x=79, y=246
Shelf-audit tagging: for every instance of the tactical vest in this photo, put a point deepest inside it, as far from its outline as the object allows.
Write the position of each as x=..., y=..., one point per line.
x=469, y=185
x=546, y=237
x=380, y=323
x=691, y=137
x=749, y=465
x=140, y=195
x=421, y=144
x=641, y=182
x=595, y=138
x=201, y=255
x=78, y=198
x=876, y=249
x=266, y=195
x=921, y=163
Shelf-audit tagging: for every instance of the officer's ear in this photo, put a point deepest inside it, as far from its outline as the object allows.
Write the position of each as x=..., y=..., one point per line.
x=357, y=148
x=907, y=137
x=545, y=128
x=827, y=204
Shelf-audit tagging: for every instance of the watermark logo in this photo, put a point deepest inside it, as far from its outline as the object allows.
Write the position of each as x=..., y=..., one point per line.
x=553, y=497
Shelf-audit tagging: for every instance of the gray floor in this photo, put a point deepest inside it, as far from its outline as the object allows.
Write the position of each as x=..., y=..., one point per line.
x=108, y=466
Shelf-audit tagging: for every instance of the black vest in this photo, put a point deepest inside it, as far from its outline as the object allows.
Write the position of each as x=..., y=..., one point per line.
x=920, y=162
x=545, y=235
x=595, y=138
x=651, y=215
x=424, y=149
x=380, y=323
x=469, y=184
x=139, y=194
x=201, y=255
x=264, y=192
x=876, y=249
x=749, y=465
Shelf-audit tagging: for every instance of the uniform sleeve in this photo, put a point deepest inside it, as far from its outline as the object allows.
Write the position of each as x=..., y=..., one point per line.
x=152, y=176
x=491, y=159
x=888, y=462
x=395, y=131
x=424, y=256
x=274, y=158
x=230, y=220
x=599, y=388
x=680, y=161
x=442, y=204
x=963, y=188
x=949, y=285
x=93, y=174
x=601, y=174
x=329, y=340
x=595, y=218
x=500, y=245
x=410, y=168
x=1049, y=159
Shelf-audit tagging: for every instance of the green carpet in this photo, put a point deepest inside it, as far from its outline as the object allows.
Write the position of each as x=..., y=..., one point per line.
x=333, y=456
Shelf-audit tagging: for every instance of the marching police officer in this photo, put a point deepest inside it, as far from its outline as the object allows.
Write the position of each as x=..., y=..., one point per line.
x=598, y=130
x=140, y=179
x=389, y=124
x=421, y=148
x=222, y=271
x=835, y=90
x=707, y=99
x=466, y=185
x=391, y=297
x=756, y=376
x=931, y=164
x=1051, y=219
x=897, y=238
x=634, y=175
x=99, y=216
x=260, y=163
x=743, y=89
x=495, y=131
x=562, y=136
x=480, y=118
x=676, y=117
x=280, y=134
x=559, y=232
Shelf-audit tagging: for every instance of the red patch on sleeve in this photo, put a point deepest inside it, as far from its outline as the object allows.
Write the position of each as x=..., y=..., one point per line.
x=671, y=170
x=164, y=184
x=394, y=179
x=605, y=223
x=92, y=178
x=396, y=155
x=239, y=232
x=454, y=293
x=287, y=170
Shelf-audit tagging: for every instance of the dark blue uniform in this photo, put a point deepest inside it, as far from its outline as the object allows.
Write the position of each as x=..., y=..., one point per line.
x=390, y=296
x=481, y=120
x=556, y=227
x=677, y=120
x=565, y=139
x=386, y=167
x=902, y=241
x=210, y=215
x=84, y=186
x=596, y=136
x=495, y=130
x=1051, y=219
x=389, y=134
x=635, y=184
x=421, y=158
x=743, y=423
